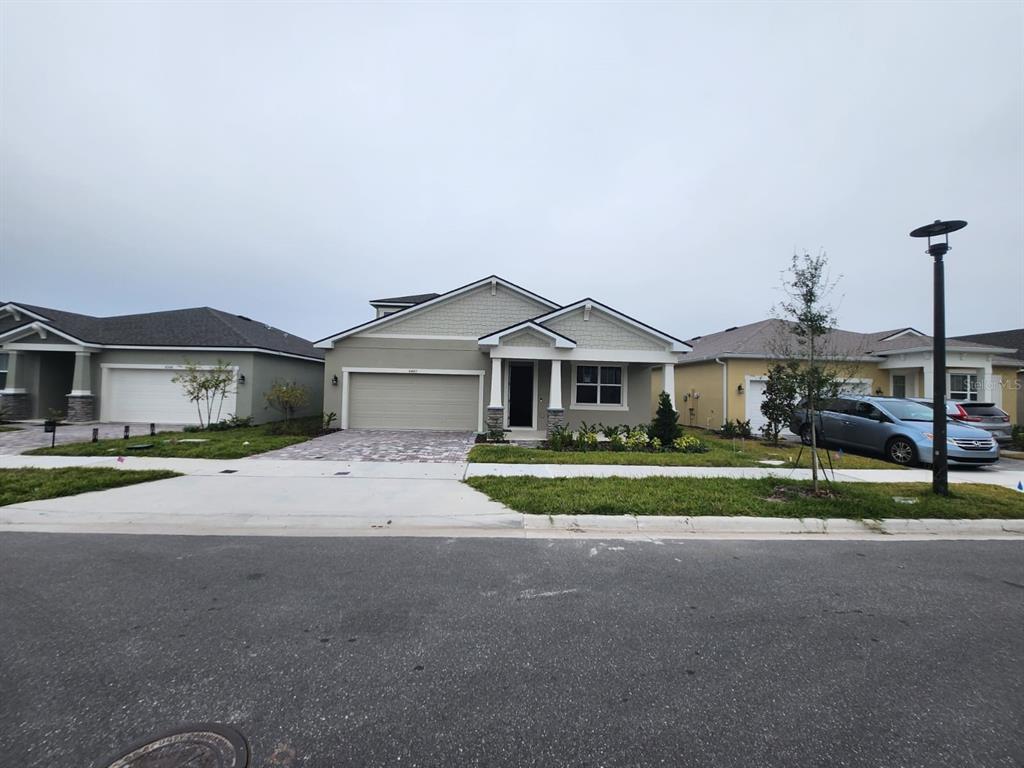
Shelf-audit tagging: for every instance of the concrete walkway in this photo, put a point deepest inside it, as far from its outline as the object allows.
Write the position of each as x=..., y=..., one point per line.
x=327, y=498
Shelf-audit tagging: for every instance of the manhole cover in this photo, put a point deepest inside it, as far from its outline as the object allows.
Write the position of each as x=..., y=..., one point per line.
x=207, y=745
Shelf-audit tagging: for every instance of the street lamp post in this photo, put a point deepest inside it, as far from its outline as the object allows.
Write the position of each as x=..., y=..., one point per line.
x=938, y=249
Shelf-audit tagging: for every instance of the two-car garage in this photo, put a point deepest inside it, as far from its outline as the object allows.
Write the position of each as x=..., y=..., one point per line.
x=403, y=399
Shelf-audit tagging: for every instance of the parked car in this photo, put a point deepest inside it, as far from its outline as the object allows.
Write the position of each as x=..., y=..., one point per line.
x=895, y=427
x=987, y=416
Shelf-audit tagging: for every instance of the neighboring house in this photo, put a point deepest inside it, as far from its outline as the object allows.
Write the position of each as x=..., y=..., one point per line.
x=120, y=368
x=491, y=355
x=723, y=379
x=1013, y=385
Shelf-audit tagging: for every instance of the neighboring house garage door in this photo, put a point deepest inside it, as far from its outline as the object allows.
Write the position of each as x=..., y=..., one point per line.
x=755, y=396
x=148, y=395
x=413, y=401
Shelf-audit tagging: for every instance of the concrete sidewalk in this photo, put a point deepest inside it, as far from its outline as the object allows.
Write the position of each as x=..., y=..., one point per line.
x=382, y=470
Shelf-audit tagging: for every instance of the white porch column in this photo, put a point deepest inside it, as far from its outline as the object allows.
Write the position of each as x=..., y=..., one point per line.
x=555, y=396
x=495, y=383
x=668, y=385
x=927, y=379
x=81, y=382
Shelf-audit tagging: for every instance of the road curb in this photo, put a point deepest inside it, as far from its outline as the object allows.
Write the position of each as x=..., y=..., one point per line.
x=770, y=526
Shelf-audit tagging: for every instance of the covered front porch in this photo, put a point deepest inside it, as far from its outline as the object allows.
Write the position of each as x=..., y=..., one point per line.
x=45, y=381
x=532, y=396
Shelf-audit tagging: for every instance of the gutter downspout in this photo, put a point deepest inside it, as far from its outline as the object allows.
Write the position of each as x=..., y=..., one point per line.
x=725, y=390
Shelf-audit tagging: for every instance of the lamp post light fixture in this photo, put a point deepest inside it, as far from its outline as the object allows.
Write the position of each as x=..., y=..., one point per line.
x=938, y=249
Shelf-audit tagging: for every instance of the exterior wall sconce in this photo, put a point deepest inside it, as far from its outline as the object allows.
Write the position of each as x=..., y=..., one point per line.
x=334, y=379
x=878, y=391
x=241, y=378
x=739, y=389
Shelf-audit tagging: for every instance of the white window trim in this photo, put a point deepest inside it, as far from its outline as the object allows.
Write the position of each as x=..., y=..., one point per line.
x=346, y=373
x=624, y=406
x=978, y=385
x=506, y=375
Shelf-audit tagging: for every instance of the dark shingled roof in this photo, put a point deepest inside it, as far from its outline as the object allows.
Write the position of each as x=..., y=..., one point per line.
x=417, y=298
x=1012, y=339
x=196, y=327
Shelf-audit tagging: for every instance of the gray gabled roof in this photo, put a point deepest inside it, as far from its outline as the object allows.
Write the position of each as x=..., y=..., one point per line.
x=1012, y=339
x=196, y=327
x=765, y=338
x=405, y=301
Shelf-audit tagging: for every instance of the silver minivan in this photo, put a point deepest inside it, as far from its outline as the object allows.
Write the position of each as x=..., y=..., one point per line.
x=898, y=428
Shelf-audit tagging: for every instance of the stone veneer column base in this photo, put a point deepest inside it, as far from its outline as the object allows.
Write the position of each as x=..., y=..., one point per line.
x=495, y=421
x=16, y=406
x=556, y=419
x=81, y=408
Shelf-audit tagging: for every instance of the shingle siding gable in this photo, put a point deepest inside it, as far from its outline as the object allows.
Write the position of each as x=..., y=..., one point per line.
x=526, y=338
x=475, y=313
x=601, y=332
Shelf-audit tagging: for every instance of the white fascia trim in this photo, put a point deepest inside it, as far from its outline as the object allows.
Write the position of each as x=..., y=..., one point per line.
x=13, y=391
x=561, y=342
x=328, y=343
x=80, y=393
x=586, y=354
x=259, y=350
x=15, y=346
x=949, y=348
x=904, y=332
x=416, y=336
x=16, y=309
x=346, y=373
x=590, y=304
x=42, y=329
x=157, y=366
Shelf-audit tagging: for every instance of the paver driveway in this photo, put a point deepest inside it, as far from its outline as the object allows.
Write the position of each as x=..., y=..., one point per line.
x=381, y=445
x=31, y=435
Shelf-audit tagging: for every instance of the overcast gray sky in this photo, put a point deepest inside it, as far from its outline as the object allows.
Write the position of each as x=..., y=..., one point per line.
x=291, y=161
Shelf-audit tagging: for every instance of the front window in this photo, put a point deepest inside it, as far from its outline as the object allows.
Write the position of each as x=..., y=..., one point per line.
x=963, y=386
x=3, y=370
x=598, y=385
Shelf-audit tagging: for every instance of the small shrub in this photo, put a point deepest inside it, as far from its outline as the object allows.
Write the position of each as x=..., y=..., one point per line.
x=736, y=429
x=329, y=418
x=637, y=439
x=560, y=438
x=232, y=422
x=1017, y=436
x=690, y=444
x=495, y=435
x=665, y=426
x=287, y=397
x=656, y=444
x=586, y=438
x=616, y=442
x=192, y=428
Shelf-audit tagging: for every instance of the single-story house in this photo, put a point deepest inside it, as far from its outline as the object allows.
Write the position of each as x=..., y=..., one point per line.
x=121, y=368
x=1013, y=386
x=723, y=378
x=491, y=355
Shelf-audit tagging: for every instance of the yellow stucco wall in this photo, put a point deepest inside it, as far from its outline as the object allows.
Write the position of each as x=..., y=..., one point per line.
x=1012, y=384
x=705, y=379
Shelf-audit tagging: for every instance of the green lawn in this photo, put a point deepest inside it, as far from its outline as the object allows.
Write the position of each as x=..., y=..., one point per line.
x=763, y=497
x=723, y=453
x=226, y=444
x=29, y=484
x=8, y=428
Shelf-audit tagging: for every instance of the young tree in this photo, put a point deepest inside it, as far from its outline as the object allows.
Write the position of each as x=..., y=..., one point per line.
x=780, y=394
x=206, y=386
x=665, y=426
x=810, y=320
x=287, y=397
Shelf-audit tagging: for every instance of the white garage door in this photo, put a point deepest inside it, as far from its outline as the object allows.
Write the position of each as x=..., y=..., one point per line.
x=413, y=401
x=148, y=395
x=755, y=396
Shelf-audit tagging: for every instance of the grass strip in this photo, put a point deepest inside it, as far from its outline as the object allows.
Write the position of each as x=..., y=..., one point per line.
x=761, y=497
x=31, y=484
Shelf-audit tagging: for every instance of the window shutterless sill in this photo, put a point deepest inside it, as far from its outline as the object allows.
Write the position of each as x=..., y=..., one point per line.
x=597, y=407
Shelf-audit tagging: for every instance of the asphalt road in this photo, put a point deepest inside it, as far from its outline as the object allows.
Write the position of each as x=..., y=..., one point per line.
x=476, y=652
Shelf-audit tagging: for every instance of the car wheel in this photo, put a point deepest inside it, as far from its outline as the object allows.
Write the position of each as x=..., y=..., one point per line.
x=901, y=451
x=805, y=434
